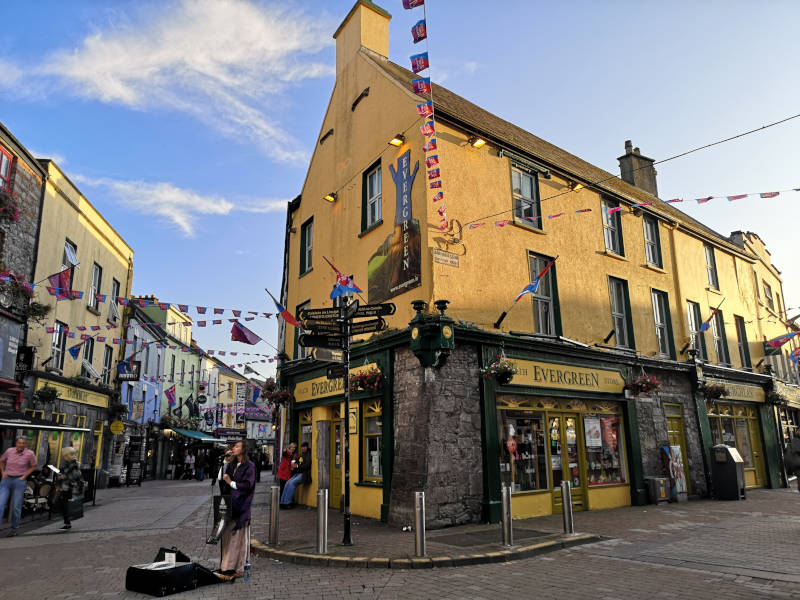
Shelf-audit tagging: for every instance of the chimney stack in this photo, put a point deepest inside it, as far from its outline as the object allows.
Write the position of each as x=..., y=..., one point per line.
x=638, y=170
x=367, y=25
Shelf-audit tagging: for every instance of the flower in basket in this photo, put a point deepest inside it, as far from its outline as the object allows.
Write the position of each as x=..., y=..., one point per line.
x=502, y=367
x=714, y=390
x=644, y=384
x=366, y=380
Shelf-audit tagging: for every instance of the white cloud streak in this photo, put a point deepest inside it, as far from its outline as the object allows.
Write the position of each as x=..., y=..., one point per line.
x=228, y=63
x=178, y=206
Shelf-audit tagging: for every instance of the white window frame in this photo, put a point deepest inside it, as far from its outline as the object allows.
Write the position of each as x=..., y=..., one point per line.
x=58, y=347
x=696, y=336
x=526, y=208
x=711, y=266
x=88, y=357
x=6, y=161
x=768, y=298
x=308, y=236
x=619, y=315
x=720, y=343
x=543, y=300
x=612, y=228
x=108, y=364
x=652, y=242
x=97, y=281
x=374, y=196
x=70, y=256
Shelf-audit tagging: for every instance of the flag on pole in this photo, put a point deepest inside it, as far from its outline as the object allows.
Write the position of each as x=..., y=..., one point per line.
x=240, y=333
x=421, y=85
x=707, y=323
x=419, y=32
x=533, y=286
x=344, y=284
x=62, y=282
x=285, y=314
x=781, y=339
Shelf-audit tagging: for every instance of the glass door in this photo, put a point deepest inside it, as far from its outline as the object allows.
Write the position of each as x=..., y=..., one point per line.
x=566, y=458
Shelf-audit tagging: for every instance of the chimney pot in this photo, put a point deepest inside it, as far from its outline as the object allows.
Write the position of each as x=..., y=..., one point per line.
x=638, y=170
x=628, y=146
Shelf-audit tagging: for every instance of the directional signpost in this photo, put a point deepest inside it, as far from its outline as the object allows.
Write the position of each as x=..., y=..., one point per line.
x=332, y=328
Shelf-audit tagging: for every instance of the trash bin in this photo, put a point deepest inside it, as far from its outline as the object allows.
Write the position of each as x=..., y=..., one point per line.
x=727, y=473
x=657, y=489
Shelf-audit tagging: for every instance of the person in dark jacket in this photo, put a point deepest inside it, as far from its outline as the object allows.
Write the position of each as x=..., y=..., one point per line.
x=70, y=482
x=301, y=474
x=240, y=475
x=287, y=465
x=791, y=457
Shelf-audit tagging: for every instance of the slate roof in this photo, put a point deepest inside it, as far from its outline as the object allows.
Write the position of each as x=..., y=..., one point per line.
x=461, y=111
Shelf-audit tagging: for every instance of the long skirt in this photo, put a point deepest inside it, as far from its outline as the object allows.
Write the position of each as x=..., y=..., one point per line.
x=234, y=548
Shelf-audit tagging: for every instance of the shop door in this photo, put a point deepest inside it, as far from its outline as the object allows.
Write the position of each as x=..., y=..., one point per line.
x=335, y=494
x=758, y=454
x=677, y=437
x=566, y=458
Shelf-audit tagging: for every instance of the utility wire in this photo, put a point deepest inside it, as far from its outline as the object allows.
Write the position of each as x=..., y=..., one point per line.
x=658, y=162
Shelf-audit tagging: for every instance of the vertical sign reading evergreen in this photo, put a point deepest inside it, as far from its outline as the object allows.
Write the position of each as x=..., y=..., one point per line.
x=395, y=266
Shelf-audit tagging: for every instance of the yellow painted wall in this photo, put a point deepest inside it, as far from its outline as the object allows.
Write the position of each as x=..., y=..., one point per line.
x=613, y=496
x=525, y=506
x=68, y=214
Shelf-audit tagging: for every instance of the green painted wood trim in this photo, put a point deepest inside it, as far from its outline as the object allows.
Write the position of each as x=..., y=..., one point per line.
x=635, y=467
x=492, y=507
x=556, y=301
x=303, y=249
x=769, y=436
x=670, y=334
x=706, y=441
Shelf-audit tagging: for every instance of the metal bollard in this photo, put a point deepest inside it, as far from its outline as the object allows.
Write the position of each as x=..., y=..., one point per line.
x=508, y=533
x=273, y=515
x=322, y=521
x=566, y=503
x=419, y=524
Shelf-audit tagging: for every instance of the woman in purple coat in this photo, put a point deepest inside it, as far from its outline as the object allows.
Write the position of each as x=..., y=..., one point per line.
x=241, y=476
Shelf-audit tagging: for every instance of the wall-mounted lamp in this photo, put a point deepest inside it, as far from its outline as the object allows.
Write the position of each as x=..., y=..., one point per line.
x=331, y=197
x=477, y=141
x=575, y=186
x=397, y=140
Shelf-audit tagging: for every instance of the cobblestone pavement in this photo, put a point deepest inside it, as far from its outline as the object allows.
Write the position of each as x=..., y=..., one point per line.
x=701, y=549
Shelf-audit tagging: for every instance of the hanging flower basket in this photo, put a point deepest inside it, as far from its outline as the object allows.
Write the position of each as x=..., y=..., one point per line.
x=714, y=391
x=366, y=380
x=279, y=396
x=644, y=384
x=502, y=369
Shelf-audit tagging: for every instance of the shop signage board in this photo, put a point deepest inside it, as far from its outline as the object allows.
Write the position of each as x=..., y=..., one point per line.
x=741, y=391
x=322, y=387
x=74, y=394
x=368, y=326
x=327, y=355
x=336, y=371
x=790, y=392
x=321, y=341
x=375, y=310
x=117, y=427
x=320, y=313
x=566, y=377
x=129, y=370
x=445, y=258
x=330, y=327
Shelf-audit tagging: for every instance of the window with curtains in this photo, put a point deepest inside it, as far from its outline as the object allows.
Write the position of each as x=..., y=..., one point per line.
x=661, y=318
x=620, y=312
x=652, y=242
x=711, y=267
x=720, y=339
x=306, y=246
x=545, y=299
x=612, y=228
x=525, y=191
x=697, y=337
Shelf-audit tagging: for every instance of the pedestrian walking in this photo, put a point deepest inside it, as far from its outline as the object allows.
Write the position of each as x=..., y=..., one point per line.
x=301, y=474
x=200, y=465
x=240, y=475
x=188, y=465
x=791, y=457
x=16, y=465
x=70, y=482
x=288, y=462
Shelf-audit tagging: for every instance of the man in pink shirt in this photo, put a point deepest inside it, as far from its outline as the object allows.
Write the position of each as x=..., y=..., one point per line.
x=15, y=465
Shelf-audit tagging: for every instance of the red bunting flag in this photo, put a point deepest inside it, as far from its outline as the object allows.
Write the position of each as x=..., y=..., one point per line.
x=408, y=4
x=561, y=214
x=201, y=310
x=427, y=129
x=219, y=311
x=769, y=194
x=216, y=322
x=432, y=161
x=201, y=323
x=183, y=307
x=425, y=109
x=421, y=85
x=583, y=210
x=430, y=146
x=704, y=200
x=419, y=62
x=476, y=225
x=434, y=174
x=438, y=196
x=739, y=197
x=249, y=318
x=435, y=185
x=236, y=313
x=419, y=32
x=100, y=338
x=674, y=200
x=81, y=328
x=442, y=210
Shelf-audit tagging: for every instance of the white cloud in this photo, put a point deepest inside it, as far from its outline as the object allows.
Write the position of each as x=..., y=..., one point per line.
x=57, y=158
x=226, y=62
x=181, y=207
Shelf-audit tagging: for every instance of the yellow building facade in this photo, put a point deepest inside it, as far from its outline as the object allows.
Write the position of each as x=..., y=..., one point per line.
x=638, y=288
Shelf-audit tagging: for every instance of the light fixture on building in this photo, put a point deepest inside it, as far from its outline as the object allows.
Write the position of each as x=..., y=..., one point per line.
x=330, y=197
x=477, y=141
x=397, y=140
x=575, y=186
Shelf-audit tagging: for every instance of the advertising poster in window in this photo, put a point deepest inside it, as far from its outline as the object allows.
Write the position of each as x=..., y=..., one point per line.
x=592, y=430
x=241, y=397
x=395, y=266
x=10, y=333
x=610, y=432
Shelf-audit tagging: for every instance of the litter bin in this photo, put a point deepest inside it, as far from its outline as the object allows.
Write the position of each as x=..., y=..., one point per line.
x=657, y=489
x=727, y=473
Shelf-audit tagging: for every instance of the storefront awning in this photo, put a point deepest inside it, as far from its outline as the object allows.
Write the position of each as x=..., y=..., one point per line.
x=12, y=420
x=196, y=435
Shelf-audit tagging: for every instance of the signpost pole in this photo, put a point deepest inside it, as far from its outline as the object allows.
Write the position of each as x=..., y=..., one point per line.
x=347, y=539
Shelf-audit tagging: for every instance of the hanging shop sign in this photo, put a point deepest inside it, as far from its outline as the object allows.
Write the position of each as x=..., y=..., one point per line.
x=789, y=392
x=445, y=258
x=117, y=427
x=74, y=394
x=566, y=377
x=322, y=387
x=395, y=266
x=741, y=391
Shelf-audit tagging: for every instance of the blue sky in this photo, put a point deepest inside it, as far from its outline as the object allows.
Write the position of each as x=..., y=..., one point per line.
x=189, y=124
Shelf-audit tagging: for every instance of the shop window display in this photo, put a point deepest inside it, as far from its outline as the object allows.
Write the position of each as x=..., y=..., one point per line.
x=523, y=454
x=604, y=454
